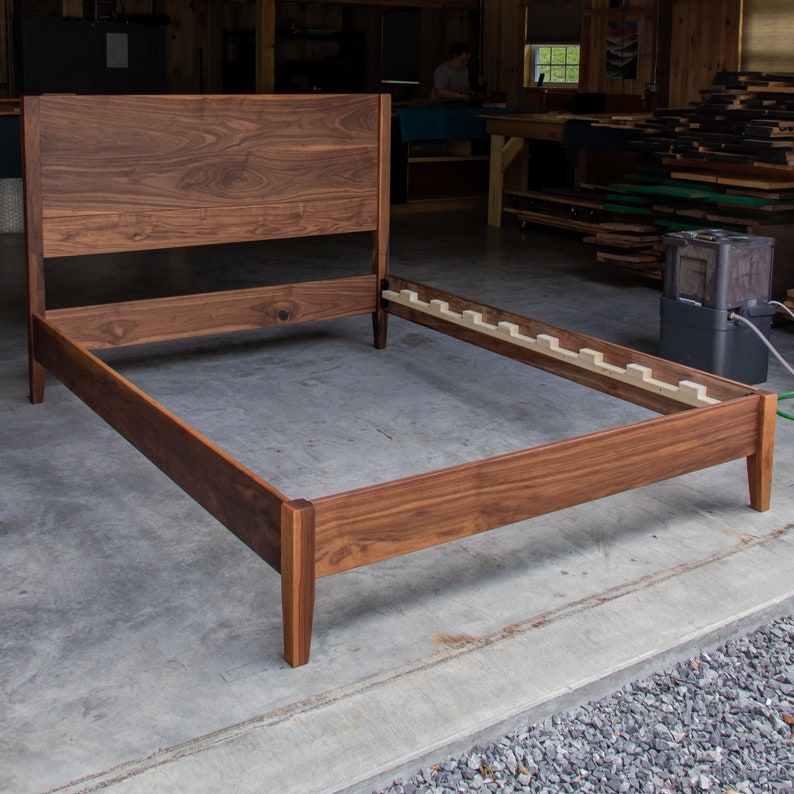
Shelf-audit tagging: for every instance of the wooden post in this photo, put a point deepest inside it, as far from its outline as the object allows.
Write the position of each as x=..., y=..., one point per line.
x=380, y=241
x=495, y=181
x=297, y=579
x=31, y=145
x=265, y=46
x=759, y=465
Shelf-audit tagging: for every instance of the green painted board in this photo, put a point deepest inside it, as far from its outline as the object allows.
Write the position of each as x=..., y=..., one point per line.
x=683, y=226
x=622, y=198
x=628, y=209
x=745, y=201
x=663, y=190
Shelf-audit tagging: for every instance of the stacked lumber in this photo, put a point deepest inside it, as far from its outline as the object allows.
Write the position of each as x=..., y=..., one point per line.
x=637, y=245
x=744, y=118
x=625, y=221
x=562, y=209
x=726, y=161
x=678, y=200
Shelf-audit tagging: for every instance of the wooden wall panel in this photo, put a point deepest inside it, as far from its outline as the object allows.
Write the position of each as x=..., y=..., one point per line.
x=367, y=19
x=597, y=17
x=697, y=39
x=195, y=46
x=704, y=39
x=503, y=49
x=135, y=6
x=5, y=38
x=682, y=45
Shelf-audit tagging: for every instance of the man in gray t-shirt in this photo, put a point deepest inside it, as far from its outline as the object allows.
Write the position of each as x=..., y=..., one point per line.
x=451, y=78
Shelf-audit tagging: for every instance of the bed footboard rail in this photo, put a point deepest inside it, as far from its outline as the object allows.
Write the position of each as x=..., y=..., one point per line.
x=386, y=520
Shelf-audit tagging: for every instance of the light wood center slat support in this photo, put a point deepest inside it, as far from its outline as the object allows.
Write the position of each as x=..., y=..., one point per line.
x=685, y=391
x=246, y=504
x=383, y=521
x=185, y=316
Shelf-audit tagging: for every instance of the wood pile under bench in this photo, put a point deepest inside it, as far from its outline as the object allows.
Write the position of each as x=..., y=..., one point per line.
x=620, y=233
x=125, y=173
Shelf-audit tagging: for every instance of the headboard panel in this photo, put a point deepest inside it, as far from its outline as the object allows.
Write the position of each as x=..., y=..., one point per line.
x=121, y=173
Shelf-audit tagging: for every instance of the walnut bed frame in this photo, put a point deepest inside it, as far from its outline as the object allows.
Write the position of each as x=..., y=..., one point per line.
x=134, y=173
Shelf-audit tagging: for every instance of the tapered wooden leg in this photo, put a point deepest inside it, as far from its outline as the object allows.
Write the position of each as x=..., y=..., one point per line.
x=297, y=579
x=36, y=306
x=759, y=465
x=380, y=324
x=38, y=376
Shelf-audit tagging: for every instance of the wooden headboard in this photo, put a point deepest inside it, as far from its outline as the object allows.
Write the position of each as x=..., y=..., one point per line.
x=120, y=173
x=132, y=173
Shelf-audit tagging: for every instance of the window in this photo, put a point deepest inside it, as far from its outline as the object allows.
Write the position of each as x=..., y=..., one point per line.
x=552, y=35
x=558, y=63
x=767, y=30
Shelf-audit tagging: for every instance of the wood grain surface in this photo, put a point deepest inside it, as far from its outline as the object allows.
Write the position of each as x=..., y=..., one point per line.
x=385, y=520
x=297, y=579
x=185, y=316
x=135, y=173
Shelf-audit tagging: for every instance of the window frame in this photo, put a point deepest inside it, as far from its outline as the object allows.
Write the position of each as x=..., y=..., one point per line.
x=532, y=70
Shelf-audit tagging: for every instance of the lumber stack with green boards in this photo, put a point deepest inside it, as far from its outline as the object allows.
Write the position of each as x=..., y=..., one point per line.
x=726, y=161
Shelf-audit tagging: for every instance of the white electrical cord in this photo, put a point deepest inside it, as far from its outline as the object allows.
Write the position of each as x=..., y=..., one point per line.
x=754, y=329
x=782, y=306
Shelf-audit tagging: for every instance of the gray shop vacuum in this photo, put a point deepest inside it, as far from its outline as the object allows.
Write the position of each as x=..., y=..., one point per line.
x=709, y=276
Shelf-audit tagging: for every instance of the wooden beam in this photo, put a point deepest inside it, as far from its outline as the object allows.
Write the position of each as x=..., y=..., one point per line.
x=389, y=519
x=265, y=46
x=380, y=243
x=469, y=5
x=243, y=502
x=185, y=316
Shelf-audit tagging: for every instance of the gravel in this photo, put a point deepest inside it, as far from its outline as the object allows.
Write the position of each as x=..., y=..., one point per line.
x=722, y=721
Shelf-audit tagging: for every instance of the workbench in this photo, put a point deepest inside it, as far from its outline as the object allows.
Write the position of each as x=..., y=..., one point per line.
x=510, y=134
x=440, y=154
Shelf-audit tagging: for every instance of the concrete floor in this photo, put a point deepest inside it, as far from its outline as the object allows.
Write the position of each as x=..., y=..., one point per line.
x=141, y=642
